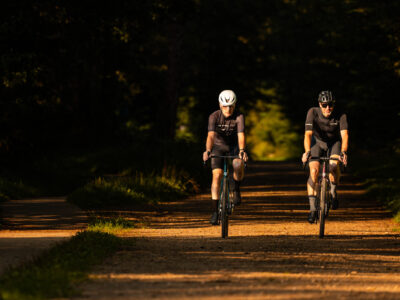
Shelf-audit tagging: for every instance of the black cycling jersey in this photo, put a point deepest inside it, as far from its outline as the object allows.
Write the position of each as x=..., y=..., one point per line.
x=323, y=128
x=226, y=129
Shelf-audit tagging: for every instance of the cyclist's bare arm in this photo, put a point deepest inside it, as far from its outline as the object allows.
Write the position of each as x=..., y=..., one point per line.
x=209, y=144
x=345, y=140
x=307, y=144
x=307, y=140
x=345, y=144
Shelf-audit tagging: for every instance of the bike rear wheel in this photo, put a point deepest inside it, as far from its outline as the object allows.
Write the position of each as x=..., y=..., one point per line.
x=224, y=208
x=322, y=208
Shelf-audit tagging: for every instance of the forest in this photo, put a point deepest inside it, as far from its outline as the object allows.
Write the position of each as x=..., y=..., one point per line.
x=82, y=76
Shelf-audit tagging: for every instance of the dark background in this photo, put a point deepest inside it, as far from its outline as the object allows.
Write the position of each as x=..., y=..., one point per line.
x=77, y=74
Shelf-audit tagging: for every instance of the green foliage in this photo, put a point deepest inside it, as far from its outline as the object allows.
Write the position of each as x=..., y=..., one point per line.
x=141, y=188
x=64, y=171
x=56, y=272
x=10, y=189
x=188, y=120
x=102, y=192
x=271, y=135
x=113, y=224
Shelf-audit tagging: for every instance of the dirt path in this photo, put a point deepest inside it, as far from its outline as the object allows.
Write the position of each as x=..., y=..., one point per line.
x=272, y=252
x=33, y=225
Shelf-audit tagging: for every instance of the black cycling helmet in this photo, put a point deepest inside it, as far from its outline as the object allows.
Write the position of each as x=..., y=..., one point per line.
x=326, y=97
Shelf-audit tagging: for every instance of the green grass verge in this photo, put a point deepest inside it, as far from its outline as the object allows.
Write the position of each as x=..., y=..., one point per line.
x=62, y=171
x=112, y=224
x=12, y=189
x=126, y=190
x=57, y=272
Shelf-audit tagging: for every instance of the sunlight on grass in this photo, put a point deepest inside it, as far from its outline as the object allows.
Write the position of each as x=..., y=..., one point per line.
x=10, y=189
x=128, y=190
x=112, y=224
x=57, y=271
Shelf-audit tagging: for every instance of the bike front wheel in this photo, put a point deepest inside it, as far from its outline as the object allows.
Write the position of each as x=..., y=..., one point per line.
x=224, y=208
x=322, y=208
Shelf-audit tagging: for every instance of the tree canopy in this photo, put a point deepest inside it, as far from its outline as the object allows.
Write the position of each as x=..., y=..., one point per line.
x=87, y=72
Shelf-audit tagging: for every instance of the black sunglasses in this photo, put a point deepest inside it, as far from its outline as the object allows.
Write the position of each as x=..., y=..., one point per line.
x=325, y=105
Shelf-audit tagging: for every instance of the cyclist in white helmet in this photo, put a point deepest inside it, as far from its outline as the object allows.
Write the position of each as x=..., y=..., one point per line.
x=225, y=137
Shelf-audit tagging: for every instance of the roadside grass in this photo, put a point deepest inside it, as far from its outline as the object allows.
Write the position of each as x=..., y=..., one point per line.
x=15, y=189
x=110, y=224
x=130, y=190
x=103, y=178
x=58, y=271
x=62, y=172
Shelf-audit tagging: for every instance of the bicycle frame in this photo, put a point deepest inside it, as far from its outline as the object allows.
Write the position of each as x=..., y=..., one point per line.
x=324, y=197
x=225, y=203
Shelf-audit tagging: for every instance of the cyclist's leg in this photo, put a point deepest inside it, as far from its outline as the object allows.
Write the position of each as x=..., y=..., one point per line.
x=238, y=175
x=238, y=169
x=334, y=170
x=314, y=165
x=334, y=173
x=217, y=165
x=215, y=192
x=216, y=183
x=312, y=182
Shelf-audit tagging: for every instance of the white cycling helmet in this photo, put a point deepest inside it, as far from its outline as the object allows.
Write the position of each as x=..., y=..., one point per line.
x=227, y=98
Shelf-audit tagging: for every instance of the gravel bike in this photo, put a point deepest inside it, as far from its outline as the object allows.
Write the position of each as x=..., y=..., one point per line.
x=323, y=201
x=225, y=202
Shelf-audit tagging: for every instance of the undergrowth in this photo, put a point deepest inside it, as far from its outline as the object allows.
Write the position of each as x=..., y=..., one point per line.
x=112, y=224
x=15, y=189
x=128, y=190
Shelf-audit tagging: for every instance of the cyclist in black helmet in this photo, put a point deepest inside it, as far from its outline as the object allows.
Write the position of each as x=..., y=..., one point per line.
x=325, y=128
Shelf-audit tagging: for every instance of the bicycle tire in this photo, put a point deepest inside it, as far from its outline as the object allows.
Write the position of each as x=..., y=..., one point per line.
x=322, y=208
x=230, y=202
x=224, y=209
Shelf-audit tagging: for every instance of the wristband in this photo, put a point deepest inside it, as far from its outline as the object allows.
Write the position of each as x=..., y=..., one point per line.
x=244, y=150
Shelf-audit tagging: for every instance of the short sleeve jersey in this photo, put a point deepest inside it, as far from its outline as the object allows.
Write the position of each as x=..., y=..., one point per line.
x=226, y=129
x=323, y=128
